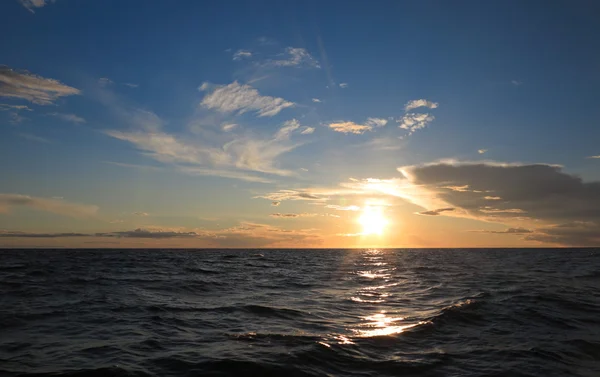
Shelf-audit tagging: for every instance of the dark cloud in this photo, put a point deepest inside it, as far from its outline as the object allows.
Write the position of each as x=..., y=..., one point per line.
x=569, y=234
x=143, y=233
x=507, y=231
x=504, y=193
x=537, y=191
x=435, y=212
x=9, y=234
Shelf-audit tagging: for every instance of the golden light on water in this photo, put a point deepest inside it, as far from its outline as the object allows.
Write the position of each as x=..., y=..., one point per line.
x=372, y=220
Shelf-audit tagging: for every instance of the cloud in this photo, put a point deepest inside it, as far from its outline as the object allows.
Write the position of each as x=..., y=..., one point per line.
x=594, y=156
x=16, y=118
x=69, y=117
x=145, y=233
x=516, y=82
x=414, y=104
x=244, y=235
x=350, y=127
x=415, y=121
x=383, y=143
x=507, y=231
x=103, y=81
x=5, y=107
x=435, y=212
x=140, y=214
x=282, y=195
x=343, y=208
x=307, y=130
x=32, y=88
x=577, y=233
x=30, y=4
x=223, y=174
x=131, y=85
x=295, y=57
x=376, y=122
x=275, y=204
x=343, y=85
x=537, y=193
x=228, y=127
x=236, y=98
x=316, y=100
x=18, y=234
x=60, y=207
x=246, y=153
x=242, y=54
x=292, y=215
x=481, y=151
x=32, y=137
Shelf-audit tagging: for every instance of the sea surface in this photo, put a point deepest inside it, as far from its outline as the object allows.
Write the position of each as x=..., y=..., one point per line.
x=371, y=312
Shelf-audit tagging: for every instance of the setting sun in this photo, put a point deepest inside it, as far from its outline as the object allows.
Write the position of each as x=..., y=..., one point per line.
x=372, y=220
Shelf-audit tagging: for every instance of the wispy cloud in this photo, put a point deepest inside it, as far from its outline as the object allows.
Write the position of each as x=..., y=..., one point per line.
x=435, y=212
x=237, y=98
x=242, y=54
x=61, y=207
x=31, y=4
x=481, y=151
x=36, y=89
x=376, y=122
x=344, y=85
x=316, y=100
x=68, y=117
x=295, y=57
x=275, y=204
x=144, y=214
x=5, y=107
x=307, y=130
x=343, y=208
x=292, y=215
x=228, y=127
x=506, y=231
x=594, y=156
x=516, y=82
x=234, y=159
x=282, y=195
x=131, y=85
x=414, y=104
x=232, y=174
x=32, y=137
x=105, y=81
x=19, y=234
x=350, y=127
x=415, y=121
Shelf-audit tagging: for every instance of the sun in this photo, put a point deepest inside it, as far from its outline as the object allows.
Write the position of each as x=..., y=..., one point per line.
x=372, y=220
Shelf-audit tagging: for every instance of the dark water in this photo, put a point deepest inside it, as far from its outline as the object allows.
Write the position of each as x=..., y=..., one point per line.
x=300, y=313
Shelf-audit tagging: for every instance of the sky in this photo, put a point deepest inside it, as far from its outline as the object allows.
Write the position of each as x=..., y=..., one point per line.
x=296, y=124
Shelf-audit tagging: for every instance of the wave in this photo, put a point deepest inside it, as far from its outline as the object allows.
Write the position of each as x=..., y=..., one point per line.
x=99, y=372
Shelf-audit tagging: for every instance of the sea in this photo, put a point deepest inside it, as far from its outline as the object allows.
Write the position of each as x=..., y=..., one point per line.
x=360, y=312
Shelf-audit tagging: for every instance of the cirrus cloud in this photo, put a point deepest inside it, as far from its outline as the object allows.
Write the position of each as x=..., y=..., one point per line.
x=240, y=98
x=33, y=88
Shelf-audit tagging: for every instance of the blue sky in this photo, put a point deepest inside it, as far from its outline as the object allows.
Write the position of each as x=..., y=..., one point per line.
x=184, y=121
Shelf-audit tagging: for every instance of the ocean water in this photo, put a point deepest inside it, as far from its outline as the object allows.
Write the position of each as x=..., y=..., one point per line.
x=300, y=312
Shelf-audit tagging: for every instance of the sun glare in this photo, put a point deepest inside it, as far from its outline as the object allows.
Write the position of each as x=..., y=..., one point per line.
x=372, y=220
